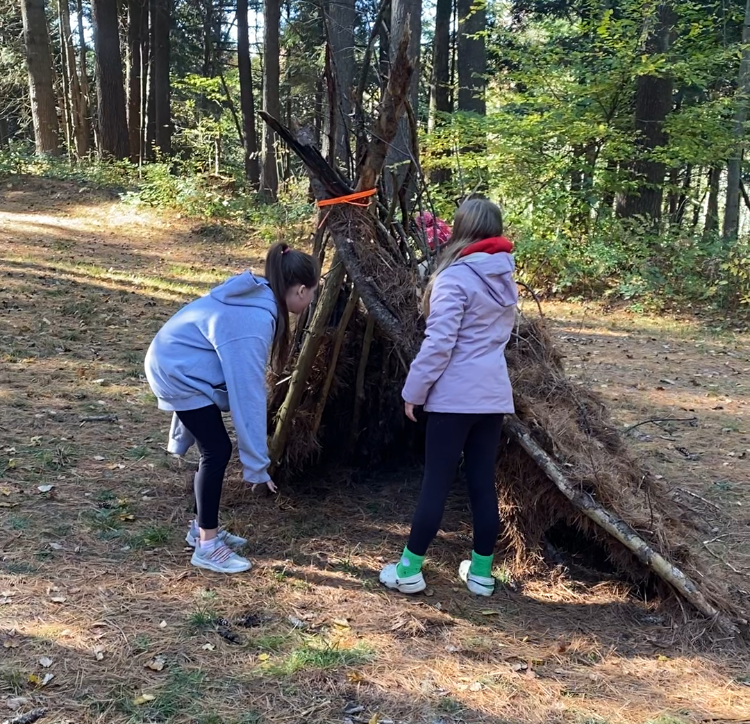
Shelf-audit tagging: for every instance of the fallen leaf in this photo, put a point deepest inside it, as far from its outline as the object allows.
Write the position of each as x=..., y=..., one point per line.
x=5, y=491
x=40, y=681
x=355, y=677
x=661, y=657
x=208, y=647
x=375, y=718
x=127, y=517
x=156, y=664
x=263, y=657
x=58, y=599
x=36, y=441
x=10, y=643
x=341, y=623
x=44, y=488
x=143, y=699
x=46, y=662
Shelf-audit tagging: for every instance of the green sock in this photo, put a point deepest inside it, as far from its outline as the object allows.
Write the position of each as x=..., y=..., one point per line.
x=481, y=565
x=409, y=565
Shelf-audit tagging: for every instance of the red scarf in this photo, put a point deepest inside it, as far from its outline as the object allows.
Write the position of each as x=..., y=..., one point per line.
x=494, y=245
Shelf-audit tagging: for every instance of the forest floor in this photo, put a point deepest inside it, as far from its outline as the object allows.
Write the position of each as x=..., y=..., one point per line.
x=102, y=619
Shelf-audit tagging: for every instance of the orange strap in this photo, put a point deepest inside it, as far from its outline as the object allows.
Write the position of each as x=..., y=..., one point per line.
x=348, y=199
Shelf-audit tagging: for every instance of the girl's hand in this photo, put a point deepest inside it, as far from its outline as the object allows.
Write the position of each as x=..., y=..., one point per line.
x=409, y=410
x=270, y=485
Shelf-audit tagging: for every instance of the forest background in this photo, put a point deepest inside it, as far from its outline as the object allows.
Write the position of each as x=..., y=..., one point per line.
x=612, y=131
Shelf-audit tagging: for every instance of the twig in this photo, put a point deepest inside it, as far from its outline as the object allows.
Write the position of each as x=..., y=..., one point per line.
x=99, y=418
x=657, y=420
x=534, y=296
x=698, y=497
x=726, y=563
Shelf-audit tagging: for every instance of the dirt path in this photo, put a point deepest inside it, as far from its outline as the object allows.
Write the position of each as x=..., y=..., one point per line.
x=95, y=586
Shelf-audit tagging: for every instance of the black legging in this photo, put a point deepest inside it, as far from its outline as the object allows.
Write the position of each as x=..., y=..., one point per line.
x=207, y=427
x=449, y=435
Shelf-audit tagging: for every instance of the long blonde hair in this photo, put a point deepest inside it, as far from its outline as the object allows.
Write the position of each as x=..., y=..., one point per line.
x=477, y=218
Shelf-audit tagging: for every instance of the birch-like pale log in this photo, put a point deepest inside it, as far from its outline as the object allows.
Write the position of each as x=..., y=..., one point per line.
x=613, y=525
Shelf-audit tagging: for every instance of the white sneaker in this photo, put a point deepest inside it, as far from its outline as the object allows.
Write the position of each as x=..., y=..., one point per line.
x=221, y=559
x=412, y=584
x=478, y=585
x=233, y=541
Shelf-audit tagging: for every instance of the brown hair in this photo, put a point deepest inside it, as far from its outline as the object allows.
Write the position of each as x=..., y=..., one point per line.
x=477, y=218
x=286, y=268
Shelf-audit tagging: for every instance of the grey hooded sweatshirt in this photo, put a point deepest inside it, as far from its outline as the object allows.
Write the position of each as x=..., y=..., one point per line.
x=215, y=351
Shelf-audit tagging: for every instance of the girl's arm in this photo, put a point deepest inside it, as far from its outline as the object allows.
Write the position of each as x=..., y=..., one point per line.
x=244, y=362
x=447, y=304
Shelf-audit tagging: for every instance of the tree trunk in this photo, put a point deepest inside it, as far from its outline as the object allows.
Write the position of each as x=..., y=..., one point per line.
x=472, y=56
x=247, y=102
x=339, y=18
x=711, y=225
x=84, y=79
x=137, y=27
x=405, y=13
x=734, y=165
x=110, y=91
x=41, y=89
x=269, y=180
x=439, y=86
x=160, y=21
x=653, y=102
x=76, y=99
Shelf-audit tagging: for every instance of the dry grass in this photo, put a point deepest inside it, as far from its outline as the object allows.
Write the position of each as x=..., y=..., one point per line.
x=108, y=537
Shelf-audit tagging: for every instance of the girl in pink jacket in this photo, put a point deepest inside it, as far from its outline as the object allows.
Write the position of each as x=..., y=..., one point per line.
x=460, y=377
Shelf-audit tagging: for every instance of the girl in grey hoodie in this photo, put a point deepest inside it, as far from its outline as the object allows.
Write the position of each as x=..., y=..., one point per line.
x=460, y=377
x=211, y=357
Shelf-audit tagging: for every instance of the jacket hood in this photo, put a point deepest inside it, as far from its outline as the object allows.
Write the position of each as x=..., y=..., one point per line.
x=246, y=290
x=496, y=271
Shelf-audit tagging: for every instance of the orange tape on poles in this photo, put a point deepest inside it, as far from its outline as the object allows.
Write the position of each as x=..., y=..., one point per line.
x=350, y=199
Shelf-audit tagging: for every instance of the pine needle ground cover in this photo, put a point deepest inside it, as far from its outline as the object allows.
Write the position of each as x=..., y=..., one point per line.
x=103, y=620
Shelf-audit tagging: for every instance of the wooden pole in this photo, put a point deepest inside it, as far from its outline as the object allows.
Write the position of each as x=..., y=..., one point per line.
x=359, y=396
x=613, y=525
x=338, y=343
x=304, y=364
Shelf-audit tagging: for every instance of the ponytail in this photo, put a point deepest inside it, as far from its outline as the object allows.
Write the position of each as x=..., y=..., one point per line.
x=286, y=268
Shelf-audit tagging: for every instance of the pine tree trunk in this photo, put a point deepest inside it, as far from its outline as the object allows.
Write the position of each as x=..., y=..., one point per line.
x=734, y=165
x=84, y=79
x=41, y=88
x=339, y=17
x=76, y=100
x=269, y=180
x=439, y=86
x=137, y=27
x=653, y=103
x=711, y=226
x=160, y=22
x=247, y=102
x=472, y=56
x=110, y=91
